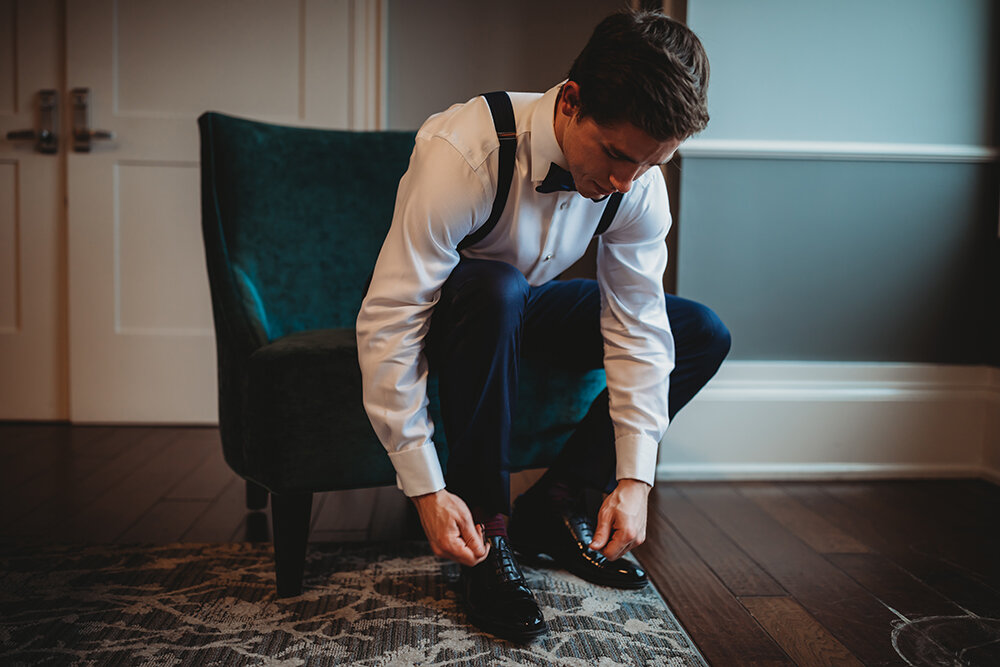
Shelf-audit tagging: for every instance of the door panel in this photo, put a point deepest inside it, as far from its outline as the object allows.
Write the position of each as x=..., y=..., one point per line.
x=32, y=279
x=152, y=243
x=256, y=51
x=141, y=339
x=9, y=250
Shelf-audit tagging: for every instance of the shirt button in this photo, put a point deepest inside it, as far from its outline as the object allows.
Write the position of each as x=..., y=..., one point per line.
x=547, y=257
x=564, y=205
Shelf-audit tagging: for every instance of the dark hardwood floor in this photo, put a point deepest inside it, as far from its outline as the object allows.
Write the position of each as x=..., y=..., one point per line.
x=832, y=573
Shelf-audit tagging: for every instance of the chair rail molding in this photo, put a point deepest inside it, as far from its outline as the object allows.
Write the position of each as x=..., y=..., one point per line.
x=369, y=59
x=825, y=420
x=837, y=150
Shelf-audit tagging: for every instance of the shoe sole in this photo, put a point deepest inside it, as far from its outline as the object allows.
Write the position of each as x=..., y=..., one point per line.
x=504, y=633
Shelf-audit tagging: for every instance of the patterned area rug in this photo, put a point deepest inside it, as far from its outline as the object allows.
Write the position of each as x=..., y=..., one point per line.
x=389, y=604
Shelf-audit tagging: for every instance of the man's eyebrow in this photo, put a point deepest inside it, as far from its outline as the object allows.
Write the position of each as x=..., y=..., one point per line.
x=619, y=153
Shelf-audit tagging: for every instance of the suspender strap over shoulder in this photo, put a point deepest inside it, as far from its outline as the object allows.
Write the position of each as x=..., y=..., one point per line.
x=614, y=201
x=506, y=129
x=503, y=121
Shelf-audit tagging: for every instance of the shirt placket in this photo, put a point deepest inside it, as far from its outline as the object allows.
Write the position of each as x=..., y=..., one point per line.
x=549, y=247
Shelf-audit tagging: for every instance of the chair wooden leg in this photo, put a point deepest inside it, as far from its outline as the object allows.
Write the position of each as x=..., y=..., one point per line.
x=256, y=496
x=290, y=514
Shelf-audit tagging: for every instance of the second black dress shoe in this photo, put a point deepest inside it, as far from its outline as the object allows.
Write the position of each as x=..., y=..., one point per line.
x=496, y=598
x=563, y=531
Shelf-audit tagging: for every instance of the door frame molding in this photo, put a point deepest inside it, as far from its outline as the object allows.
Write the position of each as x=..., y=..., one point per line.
x=368, y=52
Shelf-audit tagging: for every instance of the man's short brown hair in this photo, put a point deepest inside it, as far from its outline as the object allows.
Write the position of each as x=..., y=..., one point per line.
x=647, y=69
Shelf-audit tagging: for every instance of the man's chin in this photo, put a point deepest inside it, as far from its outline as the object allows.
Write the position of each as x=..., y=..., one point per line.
x=595, y=194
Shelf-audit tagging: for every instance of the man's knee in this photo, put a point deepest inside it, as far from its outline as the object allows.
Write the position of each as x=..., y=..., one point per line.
x=714, y=333
x=493, y=288
x=706, y=331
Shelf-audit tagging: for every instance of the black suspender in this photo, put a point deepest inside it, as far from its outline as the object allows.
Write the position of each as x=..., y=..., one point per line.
x=503, y=121
x=614, y=201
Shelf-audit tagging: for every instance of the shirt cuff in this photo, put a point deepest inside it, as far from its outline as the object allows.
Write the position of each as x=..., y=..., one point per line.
x=418, y=470
x=636, y=458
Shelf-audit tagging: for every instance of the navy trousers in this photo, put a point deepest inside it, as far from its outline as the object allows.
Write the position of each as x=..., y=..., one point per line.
x=487, y=319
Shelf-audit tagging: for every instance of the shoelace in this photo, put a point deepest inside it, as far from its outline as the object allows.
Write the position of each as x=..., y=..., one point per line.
x=586, y=530
x=586, y=533
x=506, y=565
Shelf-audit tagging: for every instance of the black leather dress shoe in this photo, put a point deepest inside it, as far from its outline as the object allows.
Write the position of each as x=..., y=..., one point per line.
x=496, y=598
x=563, y=531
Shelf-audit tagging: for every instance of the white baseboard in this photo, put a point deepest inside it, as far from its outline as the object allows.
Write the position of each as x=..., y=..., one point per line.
x=768, y=420
x=807, y=471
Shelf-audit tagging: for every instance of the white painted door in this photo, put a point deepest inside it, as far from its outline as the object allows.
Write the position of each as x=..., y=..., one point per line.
x=32, y=280
x=141, y=342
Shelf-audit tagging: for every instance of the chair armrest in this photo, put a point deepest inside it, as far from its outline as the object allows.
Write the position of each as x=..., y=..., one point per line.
x=253, y=308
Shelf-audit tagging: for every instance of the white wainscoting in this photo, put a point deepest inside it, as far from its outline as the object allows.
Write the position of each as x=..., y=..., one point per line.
x=785, y=420
x=835, y=150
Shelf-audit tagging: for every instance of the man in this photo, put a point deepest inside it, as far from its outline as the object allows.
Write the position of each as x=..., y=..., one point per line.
x=466, y=285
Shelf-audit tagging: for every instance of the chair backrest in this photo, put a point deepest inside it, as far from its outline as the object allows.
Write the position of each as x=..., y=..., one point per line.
x=299, y=216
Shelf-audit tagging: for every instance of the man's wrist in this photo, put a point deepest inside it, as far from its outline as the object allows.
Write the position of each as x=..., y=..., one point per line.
x=637, y=484
x=426, y=498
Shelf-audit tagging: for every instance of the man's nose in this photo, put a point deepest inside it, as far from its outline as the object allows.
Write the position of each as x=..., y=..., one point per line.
x=622, y=180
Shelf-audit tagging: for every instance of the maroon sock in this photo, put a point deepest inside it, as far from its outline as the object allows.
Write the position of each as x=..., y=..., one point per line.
x=548, y=491
x=562, y=492
x=493, y=524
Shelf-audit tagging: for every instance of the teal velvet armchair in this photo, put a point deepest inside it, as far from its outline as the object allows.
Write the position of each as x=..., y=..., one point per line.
x=293, y=219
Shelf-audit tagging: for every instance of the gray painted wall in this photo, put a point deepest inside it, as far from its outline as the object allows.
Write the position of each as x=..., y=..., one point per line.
x=847, y=260
x=449, y=51
x=851, y=70
x=840, y=260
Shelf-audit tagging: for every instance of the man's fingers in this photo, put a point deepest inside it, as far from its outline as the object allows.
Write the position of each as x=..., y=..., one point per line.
x=447, y=521
x=472, y=535
x=467, y=545
x=476, y=544
x=465, y=550
x=602, y=533
x=461, y=553
x=618, y=546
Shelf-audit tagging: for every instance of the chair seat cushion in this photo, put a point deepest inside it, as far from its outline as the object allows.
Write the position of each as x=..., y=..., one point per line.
x=307, y=430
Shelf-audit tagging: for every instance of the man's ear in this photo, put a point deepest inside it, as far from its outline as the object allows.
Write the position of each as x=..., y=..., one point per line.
x=569, y=99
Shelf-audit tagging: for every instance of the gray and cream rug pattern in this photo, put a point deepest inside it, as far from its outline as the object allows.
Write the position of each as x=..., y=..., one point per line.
x=366, y=604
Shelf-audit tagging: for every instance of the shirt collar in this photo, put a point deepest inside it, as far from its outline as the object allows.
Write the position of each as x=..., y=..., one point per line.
x=544, y=147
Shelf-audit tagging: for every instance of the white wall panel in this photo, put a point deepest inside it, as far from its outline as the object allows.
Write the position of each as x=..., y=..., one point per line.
x=161, y=280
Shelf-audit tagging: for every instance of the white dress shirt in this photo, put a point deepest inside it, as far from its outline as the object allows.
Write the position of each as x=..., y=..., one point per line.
x=446, y=193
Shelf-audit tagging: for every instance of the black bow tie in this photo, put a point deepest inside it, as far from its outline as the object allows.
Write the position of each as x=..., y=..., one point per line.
x=557, y=180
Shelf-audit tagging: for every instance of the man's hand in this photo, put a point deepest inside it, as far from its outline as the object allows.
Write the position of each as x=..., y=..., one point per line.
x=448, y=525
x=622, y=518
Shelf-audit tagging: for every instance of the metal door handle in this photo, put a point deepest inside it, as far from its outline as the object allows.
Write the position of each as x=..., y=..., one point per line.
x=82, y=134
x=45, y=138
